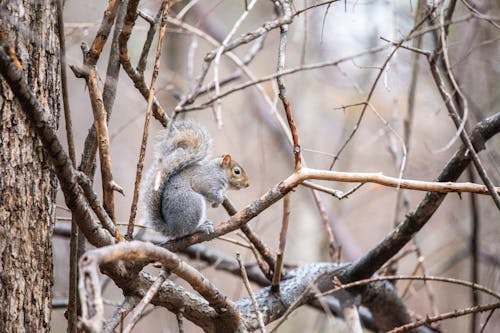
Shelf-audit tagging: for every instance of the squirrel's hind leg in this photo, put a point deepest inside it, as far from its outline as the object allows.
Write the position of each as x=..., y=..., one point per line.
x=206, y=227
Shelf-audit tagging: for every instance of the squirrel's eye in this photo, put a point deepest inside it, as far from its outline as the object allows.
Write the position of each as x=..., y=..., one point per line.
x=236, y=171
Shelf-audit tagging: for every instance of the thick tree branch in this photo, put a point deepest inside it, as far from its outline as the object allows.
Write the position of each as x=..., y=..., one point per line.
x=402, y=234
x=140, y=252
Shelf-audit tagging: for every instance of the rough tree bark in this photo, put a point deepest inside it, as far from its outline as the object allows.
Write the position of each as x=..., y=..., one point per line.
x=27, y=183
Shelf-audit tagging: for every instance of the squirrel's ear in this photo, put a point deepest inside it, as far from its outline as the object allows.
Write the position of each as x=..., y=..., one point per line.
x=226, y=160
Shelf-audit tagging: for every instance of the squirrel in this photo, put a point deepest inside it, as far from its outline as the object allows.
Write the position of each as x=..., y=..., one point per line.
x=182, y=180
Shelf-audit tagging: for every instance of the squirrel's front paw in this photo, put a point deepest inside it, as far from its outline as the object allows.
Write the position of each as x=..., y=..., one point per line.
x=206, y=227
x=215, y=204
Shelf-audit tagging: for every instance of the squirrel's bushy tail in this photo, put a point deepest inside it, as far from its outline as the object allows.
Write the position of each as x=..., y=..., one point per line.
x=177, y=147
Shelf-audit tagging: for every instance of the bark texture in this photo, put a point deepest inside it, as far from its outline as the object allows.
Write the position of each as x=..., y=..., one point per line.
x=27, y=183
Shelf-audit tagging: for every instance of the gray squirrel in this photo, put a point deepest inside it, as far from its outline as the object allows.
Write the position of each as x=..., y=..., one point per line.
x=183, y=179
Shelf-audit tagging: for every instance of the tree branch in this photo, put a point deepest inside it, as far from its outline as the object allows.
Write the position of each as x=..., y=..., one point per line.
x=140, y=252
x=63, y=168
x=402, y=234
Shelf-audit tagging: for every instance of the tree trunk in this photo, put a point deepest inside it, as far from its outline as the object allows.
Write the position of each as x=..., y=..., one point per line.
x=27, y=183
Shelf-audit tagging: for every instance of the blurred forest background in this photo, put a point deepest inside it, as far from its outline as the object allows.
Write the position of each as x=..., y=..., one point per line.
x=321, y=100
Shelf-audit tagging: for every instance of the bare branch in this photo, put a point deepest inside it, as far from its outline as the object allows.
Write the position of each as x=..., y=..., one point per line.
x=352, y=319
x=73, y=256
x=251, y=294
x=137, y=313
x=101, y=37
x=128, y=305
x=94, y=202
x=281, y=249
x=447, y=315
x=259, y=245
x=101, y=126
x=137, y=252
x=218, y=56
x=333, y=249
x=63, y=168
x=285, y=8
x=153, y=25
x=140, y=164
x=285, y=186
x=190, y=99
x=424, y=278
x=452, y=108
x=134, y=75
x=399, y=237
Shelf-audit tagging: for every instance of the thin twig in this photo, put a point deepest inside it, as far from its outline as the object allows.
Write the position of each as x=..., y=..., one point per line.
x=311, y=288
x=137, y=313
x=153, y=25
x=140, y=164
x=264, y=268
x=186, y=8
x=182, y=107
x=442, y=46
x=413, y=278
x=420, y=267
x=365, y=105
x=235, y=242
x=486, y=321
x=251, y=294
x=251, y=36
x=333, y=248
x=401, y=199
x=428, y=288
x=447, y=315
x=460, y=123
x=252, y=53
x=73, y=244
x=275, y=286
x=95, y=204
x=277, y=271
x=259, y=245
x=180, y=322
x=304, y=37
x=218, y=116
x=197, y=90
x=336, y=193
x=474, y=245
x=281, y=86
x=119, y=313
x=395, y=259
x=64, y=84
x=134, y=75
x=480, y=15
x=319, y=4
